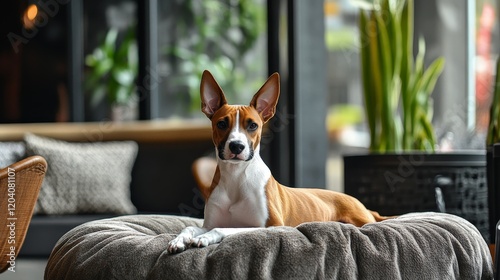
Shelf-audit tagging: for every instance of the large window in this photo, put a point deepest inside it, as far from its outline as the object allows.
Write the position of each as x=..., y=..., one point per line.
x=158, y=50
x=464, y=32
x=83, y=60
x=184, y=38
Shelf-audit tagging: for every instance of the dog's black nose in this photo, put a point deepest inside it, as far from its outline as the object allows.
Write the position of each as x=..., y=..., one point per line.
x=236, y=147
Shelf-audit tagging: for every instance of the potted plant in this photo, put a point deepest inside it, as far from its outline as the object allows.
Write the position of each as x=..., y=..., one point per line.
x=493, y=154
x=402, y=173
x=113, y=68
x=396, y=87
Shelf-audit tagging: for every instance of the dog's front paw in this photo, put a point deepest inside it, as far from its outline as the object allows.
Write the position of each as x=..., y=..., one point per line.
x=201, y=242
x=178, y=244
x=212, y=237
x=184, y=239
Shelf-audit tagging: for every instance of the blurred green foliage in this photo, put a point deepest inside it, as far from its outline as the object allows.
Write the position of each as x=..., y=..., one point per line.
x=113, y=67
x=215, y=35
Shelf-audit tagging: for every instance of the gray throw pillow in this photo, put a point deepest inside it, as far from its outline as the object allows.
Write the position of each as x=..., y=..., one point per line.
x=11, y=152
x=84, y=177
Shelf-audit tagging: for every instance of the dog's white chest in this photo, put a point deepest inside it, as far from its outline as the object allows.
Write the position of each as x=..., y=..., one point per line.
x=239, y=201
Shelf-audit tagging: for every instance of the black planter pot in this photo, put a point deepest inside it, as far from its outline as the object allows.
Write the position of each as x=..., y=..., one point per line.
x=493, y=171
x=395, y=184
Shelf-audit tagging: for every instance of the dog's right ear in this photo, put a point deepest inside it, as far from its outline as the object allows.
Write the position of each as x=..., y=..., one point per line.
x=212, y=96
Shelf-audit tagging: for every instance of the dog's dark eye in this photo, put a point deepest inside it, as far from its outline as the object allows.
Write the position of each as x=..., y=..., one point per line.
x=222, y=124
x=253, y=126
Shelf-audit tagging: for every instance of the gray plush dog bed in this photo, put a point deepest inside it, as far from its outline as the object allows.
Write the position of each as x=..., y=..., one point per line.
x=413, y=246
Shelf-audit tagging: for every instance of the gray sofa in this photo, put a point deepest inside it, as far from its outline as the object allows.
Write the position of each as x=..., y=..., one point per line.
x=156, y=179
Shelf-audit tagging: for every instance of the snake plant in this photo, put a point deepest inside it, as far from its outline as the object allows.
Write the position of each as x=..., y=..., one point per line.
x=396, y=86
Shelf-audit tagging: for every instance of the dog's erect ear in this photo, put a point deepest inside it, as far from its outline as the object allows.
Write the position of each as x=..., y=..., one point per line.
x=212, y=96
x=266, y=98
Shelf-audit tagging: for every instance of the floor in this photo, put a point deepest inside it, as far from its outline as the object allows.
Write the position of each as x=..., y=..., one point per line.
x=31, y=269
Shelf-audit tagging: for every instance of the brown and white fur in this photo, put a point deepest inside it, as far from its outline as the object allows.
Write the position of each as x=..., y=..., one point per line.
x=243, y=195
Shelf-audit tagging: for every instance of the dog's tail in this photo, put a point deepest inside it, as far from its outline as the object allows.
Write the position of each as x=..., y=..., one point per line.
x=379, y=218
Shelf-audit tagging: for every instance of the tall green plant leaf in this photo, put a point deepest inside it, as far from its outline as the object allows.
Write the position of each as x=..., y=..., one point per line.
x=369, y=98
x=431, y=75
x=397, y=87
x=406, y=20
x=427, y=134
x=376, y=79
x=386, y=70
x=494, y=124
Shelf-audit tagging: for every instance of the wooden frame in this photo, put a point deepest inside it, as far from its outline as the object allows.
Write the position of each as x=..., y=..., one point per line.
x=139, y=131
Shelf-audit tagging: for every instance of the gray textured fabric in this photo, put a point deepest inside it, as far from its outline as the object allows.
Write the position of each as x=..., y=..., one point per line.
x=413, y=246
x=11, y=152
x=84, y=177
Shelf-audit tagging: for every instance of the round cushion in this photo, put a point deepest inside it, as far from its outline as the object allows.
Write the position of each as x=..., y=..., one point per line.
x=412, y=246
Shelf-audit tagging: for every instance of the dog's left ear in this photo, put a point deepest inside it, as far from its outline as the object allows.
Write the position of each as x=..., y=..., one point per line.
x=266, y=99
x=212, y=96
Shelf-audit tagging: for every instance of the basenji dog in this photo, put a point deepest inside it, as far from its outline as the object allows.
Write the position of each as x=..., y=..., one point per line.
x=243, y=195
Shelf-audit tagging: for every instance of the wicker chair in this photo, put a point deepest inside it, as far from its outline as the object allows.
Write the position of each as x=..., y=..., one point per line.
x=20, y=184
